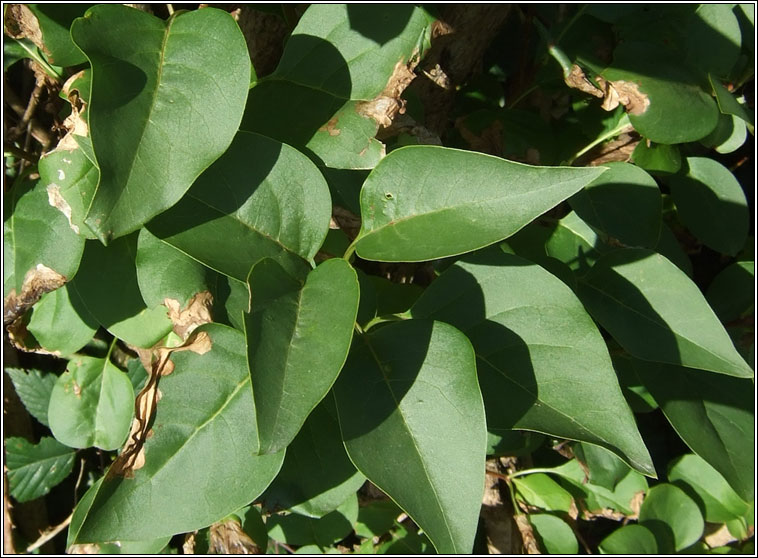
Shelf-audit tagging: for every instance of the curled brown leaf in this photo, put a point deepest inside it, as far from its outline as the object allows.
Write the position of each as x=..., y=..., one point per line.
x=227, y=537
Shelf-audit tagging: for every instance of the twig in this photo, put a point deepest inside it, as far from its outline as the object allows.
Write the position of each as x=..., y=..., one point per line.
x=20, y=153
x=78, y=480
x=7, y=520
x=30, y=107
x=46, y=536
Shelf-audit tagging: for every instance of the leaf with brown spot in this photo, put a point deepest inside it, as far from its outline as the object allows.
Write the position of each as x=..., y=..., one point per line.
x=37, y=281
x=577, y=80
x=527, y=533
x=227, y=537
x=196, y=313
x=626, y=93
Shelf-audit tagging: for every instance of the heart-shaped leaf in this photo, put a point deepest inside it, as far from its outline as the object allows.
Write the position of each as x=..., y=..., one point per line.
x=543, y=365
x=167, y=99
x=427, y=202
x=423, y=409
x=298, y=337
x=91, y=405
x=206, y=416
x=657, y=313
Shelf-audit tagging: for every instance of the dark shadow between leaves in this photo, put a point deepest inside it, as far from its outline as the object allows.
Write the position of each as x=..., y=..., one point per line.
x=113, y=94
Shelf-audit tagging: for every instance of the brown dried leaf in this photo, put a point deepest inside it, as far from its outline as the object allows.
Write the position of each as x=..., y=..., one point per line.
x=75, y=124
x=577, y=80
x=188, y=546
x=89, y=548
x=636, y=503
x=21, y=23
x=626, y=93
x=227, y=537
x=388, y=103
x=132, y=456
x=37, y=281
x=718, y=536
x=197, y=313
x=527, y=534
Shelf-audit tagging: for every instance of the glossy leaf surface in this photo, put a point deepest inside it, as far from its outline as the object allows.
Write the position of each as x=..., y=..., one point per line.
x=705, y=485
x=297, y=338
x=205, y=421
x=91, y=405
x=36, y=233
x=152, y=127
x=713, y=414
x=317, y=475
x=656, y=313
x=624, y=203
x=427, y=202
x=106, y=271
x=58, y=325
x=33, y=469
x=711, y=203
x=424, y=410
x=668, y=511
x=542, y=363
x=261, y=199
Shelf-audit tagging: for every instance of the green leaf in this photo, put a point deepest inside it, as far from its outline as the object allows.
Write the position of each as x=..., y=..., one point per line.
x=298, y=337
x=543, y=365
x=728, y=136
x=731, y=294
x=605, y=469
x=336, y=57
x=298, y=529
x=624, y=203
x=206, y=416
x=713, y=414
x=33, y=469
x=554, y=534
x=668, y=512
x=541, y=491
x=172, y=92
x=427, y=202
x=54, y=23
x=106, y=271
x=37, y=234
x=705, y=485
x=155, y=546
x=657, y=157
x=711, y=204
x=575, y=243
x=728, y=104
x=376, y=518
x=657, y=313
x=275, y=204
x=58, y=325
x=679, y=110
x=33, y=388
x=424, y=411
x=317, y=475
x=713, y=39
x=629, y=539
x=669, y=246
x=91, y=405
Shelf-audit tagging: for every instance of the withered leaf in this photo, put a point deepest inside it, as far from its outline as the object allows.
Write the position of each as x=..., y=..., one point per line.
x=626, y=93
x=527, y=533
x=37, y=281
x=385, y=106
x=227, y=537
x=196, y=313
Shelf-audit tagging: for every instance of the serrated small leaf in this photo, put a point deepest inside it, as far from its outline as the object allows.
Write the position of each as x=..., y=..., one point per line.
x=542, y=363
x=668, y=512
x=624, y=203
x=657, y=313
x=92, y=404
x=713, y=414
x=33, y=388
x=711, y=204
x=427, y=202
x=317, y=475
x=424, y=410
x=58, y=325
x=152, y=80
x=106, y=270
x=33, y=469
x=275, y=204
x=298, y=337
x=205, y=421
